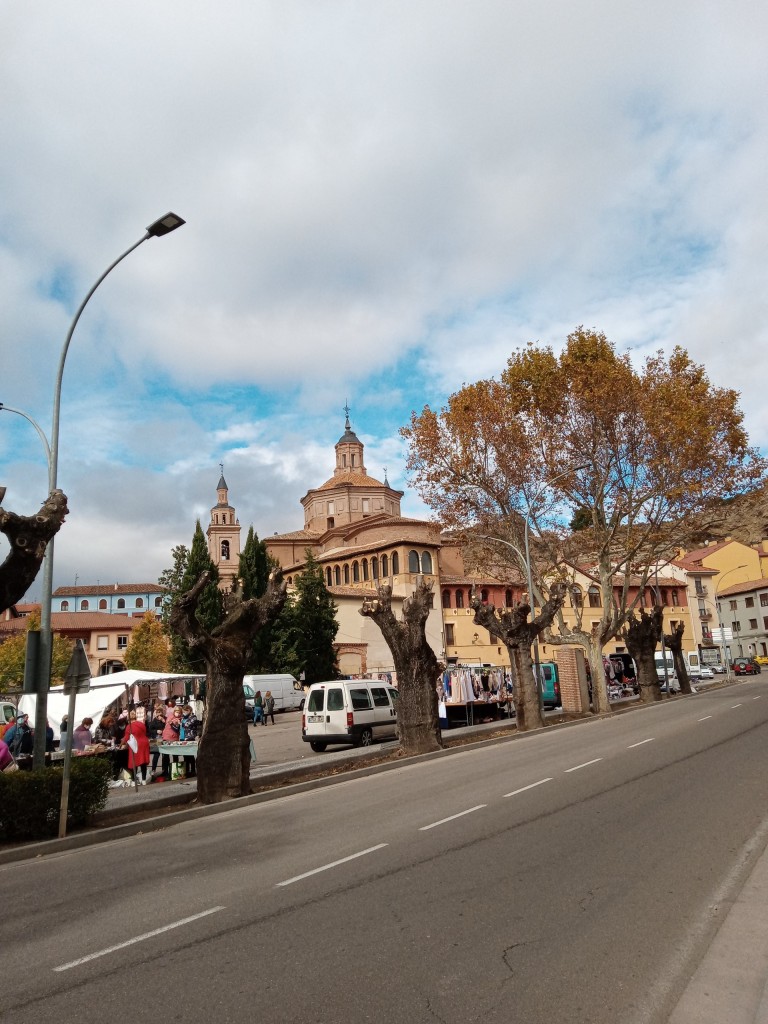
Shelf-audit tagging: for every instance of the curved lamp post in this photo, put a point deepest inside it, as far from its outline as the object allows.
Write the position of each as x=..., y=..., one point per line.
x=160, y=227
x=719, y=617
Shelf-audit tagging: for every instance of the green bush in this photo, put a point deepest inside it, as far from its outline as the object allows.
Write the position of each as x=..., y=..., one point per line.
x=30, y=801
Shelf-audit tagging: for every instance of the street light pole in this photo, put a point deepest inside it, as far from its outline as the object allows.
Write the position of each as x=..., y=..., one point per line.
x=160, y=227
x=720, y=618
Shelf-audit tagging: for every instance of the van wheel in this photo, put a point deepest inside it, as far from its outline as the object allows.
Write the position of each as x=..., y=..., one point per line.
x=365, y=738
x=317, y=746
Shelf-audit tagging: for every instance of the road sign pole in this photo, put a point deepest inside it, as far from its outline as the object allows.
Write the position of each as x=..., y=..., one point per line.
x=77, y=679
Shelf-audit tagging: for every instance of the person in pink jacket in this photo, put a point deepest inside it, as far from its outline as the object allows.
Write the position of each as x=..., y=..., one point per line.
x=6, y=757
x=135, y=739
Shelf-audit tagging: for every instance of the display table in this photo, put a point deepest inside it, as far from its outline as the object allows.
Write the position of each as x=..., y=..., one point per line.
x=474, y=711
x=179, y=749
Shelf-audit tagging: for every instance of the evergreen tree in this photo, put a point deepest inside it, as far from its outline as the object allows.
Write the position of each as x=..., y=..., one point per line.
x=254, y=568
x=305, y=632
x=148, y=648
x=187, y=568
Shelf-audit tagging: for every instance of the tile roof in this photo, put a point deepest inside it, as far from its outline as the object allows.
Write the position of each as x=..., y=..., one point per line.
x=109, y=588
x=294, y=535
x=350, y=480
x=700, y=553
x=743, y=588
x=81, y=622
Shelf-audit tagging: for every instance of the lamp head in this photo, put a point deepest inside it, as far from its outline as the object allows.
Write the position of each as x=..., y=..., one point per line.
x=164, y=225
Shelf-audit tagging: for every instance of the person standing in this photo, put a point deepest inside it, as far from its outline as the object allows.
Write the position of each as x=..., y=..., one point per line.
x=135, y=739
x=269, y=707
x=156, y=726
x=189, y=730
x=19, y=737
x=258, y=708
x=81, y=736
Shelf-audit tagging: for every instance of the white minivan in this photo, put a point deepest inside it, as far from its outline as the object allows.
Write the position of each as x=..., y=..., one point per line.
x=351, y=711
x=287, y=691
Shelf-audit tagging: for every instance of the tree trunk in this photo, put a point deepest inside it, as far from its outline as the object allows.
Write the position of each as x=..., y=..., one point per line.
x=642, y=634
x=28, y=537
x=674, y=643
x=223, y=759
x=416, y=665
x=512, y=627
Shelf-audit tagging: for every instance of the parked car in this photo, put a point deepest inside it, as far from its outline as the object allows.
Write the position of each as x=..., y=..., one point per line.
x=745, y=667
x=350, y=711
x=706, y=673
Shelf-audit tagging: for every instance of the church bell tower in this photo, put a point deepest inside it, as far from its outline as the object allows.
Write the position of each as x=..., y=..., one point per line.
x=223, y=535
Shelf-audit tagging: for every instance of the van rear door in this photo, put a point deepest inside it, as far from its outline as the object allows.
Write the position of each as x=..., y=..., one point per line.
x=315, y=713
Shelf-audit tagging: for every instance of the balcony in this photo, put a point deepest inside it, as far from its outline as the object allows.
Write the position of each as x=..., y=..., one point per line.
x=700, y=590
x=705, y=614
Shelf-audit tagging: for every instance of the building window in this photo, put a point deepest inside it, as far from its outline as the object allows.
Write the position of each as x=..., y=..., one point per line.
x=384, y=566
x=365, y=570
x=65, y=606
x=764, y=600
x=674, y=598
x=736, y=626
x=732, y=605
x=356, y=572
x=344, y=461
x=395, y=563
x=84, y=606
x=103, y=605
x=122, y=642
x=330, y=523
x=765, y=622
x=346, y=573
x=139, y=602
x=577, y=598
x=753, y=623
x=374, y=568
x=328, y=576
x=158, y=602
x=507, y=598
x=121, y=602
x=102, y=643
x=413, y=561
x=331, y=508
x=449, y=639
x=446, y=599
x=366, y=506
x=749, y=602
x=484, y=596
x=459, y=598
x=225, y=551
x=426, y=563
x=593, y=596
x=352, y=461
x=337, y=575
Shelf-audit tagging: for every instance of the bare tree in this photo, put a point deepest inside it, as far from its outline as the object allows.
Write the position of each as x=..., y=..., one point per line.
x=223, y=761
x=28, y=537
x=416, y=665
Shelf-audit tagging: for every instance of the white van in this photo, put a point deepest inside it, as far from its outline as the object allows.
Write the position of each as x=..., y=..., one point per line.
x=287, y=691
x=351, y=711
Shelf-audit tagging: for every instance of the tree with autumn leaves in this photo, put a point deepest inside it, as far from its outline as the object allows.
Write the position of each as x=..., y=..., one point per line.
x=641, y=457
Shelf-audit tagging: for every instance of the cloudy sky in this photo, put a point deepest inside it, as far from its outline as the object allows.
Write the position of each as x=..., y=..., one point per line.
x=382, y=202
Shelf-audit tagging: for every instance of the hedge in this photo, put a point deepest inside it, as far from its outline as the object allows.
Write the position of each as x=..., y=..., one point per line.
x=30, y=801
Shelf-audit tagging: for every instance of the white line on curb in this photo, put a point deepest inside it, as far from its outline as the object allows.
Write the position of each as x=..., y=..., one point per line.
x=138, y=938
x=333, y=864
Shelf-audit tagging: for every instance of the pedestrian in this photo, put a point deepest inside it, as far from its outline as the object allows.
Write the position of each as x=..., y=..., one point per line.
x=188, y=733
x=172, y=733
x=135, y=739
x=63, y=732
x=48, y=738
x=156, y=726
x=81, y=736
x=258, y=708
x=19, y=737
x=269, y=707
x=6, y=757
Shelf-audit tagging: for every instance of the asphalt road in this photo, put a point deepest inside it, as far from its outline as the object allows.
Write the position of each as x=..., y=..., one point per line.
x=576, y=875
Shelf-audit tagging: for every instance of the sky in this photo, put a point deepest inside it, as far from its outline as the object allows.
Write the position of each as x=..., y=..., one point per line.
x=383, y=202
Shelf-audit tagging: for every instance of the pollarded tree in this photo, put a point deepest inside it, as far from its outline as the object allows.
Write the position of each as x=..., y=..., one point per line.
x=148, y=646
x=223, y=759
x=28, y=537
x=674, y=642
x=416, y=664
x=642, y=633
x=639, y=458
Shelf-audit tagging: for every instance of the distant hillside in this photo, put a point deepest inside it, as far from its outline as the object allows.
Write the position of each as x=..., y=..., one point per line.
x=744, y=519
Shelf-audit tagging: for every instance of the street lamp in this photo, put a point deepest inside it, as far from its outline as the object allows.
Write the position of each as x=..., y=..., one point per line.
x=720, y=619
x=160, y=227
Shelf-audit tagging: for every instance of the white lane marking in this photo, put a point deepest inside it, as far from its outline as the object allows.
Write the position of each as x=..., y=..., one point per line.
x=533, y=785
x=585, y=765
x=649, y=740
x=757, y=697
x=453, y=817
x=735, y=706
x=138, y=938
x=705, y=718
x=334, y=864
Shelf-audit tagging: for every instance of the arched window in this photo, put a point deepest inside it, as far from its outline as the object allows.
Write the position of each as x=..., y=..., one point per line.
x=384, y=566
x=346, y=572
x=484, y=596
x=446, y=599
x=355, y=572
x=65, y=606
x=577, y=598
x=507, y=598
x=593, y=595
x=413, y=561
x=395, y=563
x=328, y=577
x=103, y=604
x=225, y=551
x=337, y=575
x=158, y=602
x=374, y=568
x=121, y=602
x=84, y=606
x=365, y=570
x=139, y=602
x=459, y=598
x=426, y=563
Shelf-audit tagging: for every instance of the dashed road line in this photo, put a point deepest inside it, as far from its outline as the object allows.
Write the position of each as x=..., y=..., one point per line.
x=735, y=706
x=453, y=817
x=705, y=718
x=333, y=864
x=533, y=785
x=585, y=765
x=137, y=938
x=649, y=740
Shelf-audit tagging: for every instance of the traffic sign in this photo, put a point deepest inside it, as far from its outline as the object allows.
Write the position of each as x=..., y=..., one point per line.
x=77, y=678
